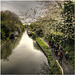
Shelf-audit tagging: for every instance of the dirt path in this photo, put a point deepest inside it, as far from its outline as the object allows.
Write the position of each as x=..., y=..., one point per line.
x=67, y=68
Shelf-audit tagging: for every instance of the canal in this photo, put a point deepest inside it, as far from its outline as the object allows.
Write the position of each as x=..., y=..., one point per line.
x=23, y=56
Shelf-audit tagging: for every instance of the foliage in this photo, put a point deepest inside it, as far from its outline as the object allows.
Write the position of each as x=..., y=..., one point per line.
x=57, y=24
x=71, y=54
x=33, y=36
x=54, y=68
x=10, y=22
x=68, y=15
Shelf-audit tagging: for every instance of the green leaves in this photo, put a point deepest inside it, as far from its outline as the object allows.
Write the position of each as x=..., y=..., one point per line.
x=9, y=23
x=68, y=19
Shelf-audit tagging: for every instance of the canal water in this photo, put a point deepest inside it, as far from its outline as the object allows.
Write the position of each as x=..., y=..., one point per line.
x=23, y=56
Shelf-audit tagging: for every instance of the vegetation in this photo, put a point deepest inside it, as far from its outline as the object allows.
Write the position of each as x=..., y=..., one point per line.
x=54, y=67
x=10, y=22
x=57, y=25
x=6, y=51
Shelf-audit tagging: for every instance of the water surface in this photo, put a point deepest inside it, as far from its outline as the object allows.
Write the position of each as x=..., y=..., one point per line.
x=23, y=56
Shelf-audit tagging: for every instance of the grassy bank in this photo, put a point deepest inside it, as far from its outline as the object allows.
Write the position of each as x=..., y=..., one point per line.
x=54, y=68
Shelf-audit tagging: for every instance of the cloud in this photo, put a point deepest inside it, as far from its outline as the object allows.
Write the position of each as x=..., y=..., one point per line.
x=17, y=0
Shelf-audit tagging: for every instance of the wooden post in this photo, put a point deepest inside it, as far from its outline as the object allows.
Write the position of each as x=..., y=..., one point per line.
x=60, y=67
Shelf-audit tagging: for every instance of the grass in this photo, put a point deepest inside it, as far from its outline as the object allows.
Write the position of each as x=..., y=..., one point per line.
x=42, y=43
x=54, y=67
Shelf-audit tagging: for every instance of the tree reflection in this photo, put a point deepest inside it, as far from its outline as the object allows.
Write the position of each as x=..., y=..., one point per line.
x=6, y=51
x=45, y=68
x=35, y=45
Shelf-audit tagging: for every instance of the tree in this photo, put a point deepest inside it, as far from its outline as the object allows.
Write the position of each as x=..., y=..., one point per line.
x=68, y=14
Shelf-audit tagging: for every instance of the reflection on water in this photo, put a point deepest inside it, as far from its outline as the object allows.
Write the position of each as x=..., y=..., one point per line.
x=6, y=51
x=45, y=68
x=35, y=45
x=23, y=57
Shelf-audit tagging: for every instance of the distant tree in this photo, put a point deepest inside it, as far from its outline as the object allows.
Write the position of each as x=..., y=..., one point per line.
x=10, y=22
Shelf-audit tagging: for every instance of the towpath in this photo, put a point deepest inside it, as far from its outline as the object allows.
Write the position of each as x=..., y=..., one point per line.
x=67, y=67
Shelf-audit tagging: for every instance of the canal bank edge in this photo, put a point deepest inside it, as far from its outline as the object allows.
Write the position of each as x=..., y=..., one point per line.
x=48, y=59
x=55, y=69
x=4, y=43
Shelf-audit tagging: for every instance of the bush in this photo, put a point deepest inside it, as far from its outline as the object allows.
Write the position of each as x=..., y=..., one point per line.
x=71, y=54
x=33, y=36
x=10, y=22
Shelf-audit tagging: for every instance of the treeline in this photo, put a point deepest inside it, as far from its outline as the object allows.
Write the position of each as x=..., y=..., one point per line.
x=60, y=30
x=10, y=22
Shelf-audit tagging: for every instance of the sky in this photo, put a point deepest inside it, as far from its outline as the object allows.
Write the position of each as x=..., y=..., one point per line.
x=32, y=0
x=21, y=8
